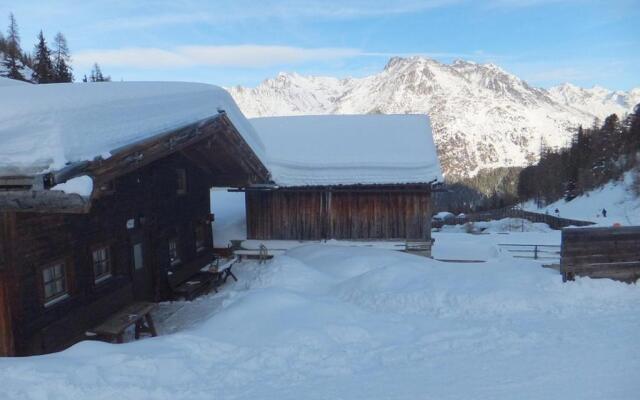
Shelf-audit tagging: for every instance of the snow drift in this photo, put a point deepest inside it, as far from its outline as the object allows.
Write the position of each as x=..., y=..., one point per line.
x=336, y=322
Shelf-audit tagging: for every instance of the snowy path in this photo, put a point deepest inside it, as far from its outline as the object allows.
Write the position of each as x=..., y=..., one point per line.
x=325, y=322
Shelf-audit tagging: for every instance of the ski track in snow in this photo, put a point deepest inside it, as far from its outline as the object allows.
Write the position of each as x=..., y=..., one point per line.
x=327, y=322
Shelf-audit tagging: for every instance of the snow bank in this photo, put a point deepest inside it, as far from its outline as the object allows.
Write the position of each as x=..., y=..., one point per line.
x=11, y=82
x=45, y=126
x=327, y=322
x=622, y=205
x=349, y=149
x=499, y=226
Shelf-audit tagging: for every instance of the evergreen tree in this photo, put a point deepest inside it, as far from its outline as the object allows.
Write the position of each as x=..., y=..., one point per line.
x=61, y=59
x=97, y=76
x=42, y=67
x=13, y=51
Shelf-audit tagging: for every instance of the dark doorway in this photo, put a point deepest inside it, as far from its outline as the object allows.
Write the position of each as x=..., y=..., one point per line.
x=143, y=288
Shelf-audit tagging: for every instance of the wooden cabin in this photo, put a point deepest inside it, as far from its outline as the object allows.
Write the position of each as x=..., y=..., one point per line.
x=79, y=242
x=345, y=177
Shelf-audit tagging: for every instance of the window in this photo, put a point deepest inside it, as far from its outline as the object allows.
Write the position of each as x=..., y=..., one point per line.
x=201, y=237
x=54, y=283
x=174, y=257
x=181, y=183
x=138, y=257
x=101, y=264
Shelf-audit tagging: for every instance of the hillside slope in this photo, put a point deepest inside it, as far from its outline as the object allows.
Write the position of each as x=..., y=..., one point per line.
x=617, y=197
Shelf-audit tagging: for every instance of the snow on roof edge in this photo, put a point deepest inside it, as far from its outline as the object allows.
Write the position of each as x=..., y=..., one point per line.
x=341, y=150
x=60, y=124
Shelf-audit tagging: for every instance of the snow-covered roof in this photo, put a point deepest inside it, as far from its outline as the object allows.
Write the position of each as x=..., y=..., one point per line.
x=46, y=126
x=349, y=149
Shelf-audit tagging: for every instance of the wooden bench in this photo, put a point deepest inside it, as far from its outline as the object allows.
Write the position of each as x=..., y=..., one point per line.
x=188, y=281
x=261, y=254
x=138, y=314
x=601, y=253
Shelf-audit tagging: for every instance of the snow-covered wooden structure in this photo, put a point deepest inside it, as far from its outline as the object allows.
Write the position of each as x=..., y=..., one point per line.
x=349, y=177
x=104, y=198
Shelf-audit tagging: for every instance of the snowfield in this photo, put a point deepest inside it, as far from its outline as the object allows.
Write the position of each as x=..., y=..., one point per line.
x=617, y=197
x=329, y=322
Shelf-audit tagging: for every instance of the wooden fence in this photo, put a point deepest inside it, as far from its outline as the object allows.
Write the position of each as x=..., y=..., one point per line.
x=601, y=253
x=546, y=253
x=511, y=212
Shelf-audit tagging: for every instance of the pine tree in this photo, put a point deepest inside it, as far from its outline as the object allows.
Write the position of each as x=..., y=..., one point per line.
x=97, y=76
x=43, y=67
x=61, y=59
x=13, y=51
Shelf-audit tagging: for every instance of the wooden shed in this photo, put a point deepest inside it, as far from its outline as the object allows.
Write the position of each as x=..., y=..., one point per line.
x=125, y=215
x=346, y=177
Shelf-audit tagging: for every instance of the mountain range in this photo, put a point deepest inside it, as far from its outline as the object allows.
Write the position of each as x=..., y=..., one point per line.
x=481, y=116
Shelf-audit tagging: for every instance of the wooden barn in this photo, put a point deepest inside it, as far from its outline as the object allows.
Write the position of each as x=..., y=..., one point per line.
x=104, y=199
x=346, y=177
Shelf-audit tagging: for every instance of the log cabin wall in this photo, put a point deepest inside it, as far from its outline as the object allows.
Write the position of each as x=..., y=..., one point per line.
x=362, y=213
x=6, y=328
x=152, y=199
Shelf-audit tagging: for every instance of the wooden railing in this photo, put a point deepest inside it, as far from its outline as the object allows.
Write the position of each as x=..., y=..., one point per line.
x=546, y=253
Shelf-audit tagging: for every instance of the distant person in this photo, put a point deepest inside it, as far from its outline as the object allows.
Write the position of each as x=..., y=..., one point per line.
x=557, y=212
x=604, y=212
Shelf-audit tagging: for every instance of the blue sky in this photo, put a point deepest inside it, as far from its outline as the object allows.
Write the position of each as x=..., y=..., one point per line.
x=242, y=42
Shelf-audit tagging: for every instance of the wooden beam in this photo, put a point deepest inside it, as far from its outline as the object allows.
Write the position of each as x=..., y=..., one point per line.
x=49, y=201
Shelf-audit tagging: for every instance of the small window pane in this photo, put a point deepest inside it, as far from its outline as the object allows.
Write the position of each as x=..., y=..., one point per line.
x=138, y=261
x=54, y=282
x=174, y=256
x=101, y=263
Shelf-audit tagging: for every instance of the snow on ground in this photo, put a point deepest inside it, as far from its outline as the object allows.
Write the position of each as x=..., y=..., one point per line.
x=498, y=226
x=616, y=197
x=327, y=322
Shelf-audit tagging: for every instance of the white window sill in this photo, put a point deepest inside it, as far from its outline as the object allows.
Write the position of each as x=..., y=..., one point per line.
x=56, y=300
x=103, y=278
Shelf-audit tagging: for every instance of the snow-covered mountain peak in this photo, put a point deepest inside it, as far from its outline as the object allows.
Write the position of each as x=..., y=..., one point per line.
x=482, y=115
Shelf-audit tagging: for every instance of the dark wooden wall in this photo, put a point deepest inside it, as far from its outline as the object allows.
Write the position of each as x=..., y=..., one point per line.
x=362, y=213
x=601, y=253
x=149, y=197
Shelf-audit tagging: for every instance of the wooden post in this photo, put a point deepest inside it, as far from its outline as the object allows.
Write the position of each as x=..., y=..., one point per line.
x=7, y=347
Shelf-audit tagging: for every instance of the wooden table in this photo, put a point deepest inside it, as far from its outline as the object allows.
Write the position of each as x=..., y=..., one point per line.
x=138, y=313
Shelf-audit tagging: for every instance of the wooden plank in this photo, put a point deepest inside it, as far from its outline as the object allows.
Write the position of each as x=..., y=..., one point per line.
x=120, y=321
x=7, y=347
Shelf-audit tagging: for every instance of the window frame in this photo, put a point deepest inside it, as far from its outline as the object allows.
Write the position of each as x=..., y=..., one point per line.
x=200, y=245
x=109, y=259
x=182, y=186
x=174, y=260
x=49, y=301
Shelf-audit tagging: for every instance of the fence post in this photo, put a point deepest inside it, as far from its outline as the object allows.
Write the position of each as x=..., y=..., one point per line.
x=535, y=252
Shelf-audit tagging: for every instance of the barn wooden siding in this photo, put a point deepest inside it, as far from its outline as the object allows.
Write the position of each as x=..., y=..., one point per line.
x=601, y=253
x=149, y=197
x=345, y=213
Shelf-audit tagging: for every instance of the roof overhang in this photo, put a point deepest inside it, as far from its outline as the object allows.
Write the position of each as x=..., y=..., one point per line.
x=214, y=145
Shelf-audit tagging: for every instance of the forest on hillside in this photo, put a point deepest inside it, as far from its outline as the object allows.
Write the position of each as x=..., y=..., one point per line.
x=45, y=64
x=596, y=155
